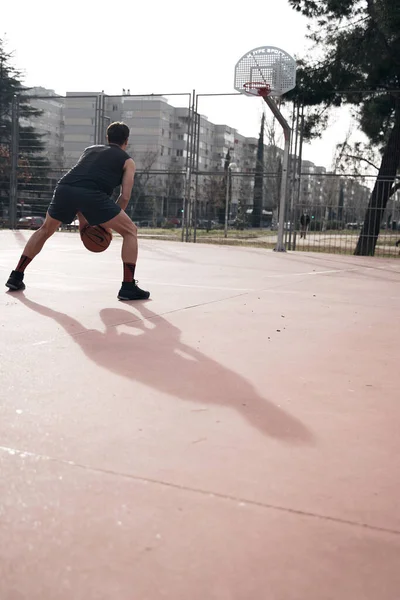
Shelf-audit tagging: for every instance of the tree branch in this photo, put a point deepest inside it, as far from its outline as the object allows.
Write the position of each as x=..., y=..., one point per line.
x=394, y=189
x=361, y=159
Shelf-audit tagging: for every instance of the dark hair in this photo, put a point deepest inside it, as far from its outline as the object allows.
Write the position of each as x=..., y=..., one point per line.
x=117, y=133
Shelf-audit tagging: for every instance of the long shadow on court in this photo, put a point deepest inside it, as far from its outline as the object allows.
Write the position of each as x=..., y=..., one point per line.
x=155, y=356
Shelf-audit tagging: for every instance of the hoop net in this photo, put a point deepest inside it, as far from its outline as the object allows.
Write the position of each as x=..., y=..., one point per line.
x=257, y=88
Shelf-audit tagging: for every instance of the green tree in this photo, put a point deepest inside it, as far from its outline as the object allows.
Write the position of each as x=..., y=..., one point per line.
x=360, y=66
x=273, y=167
x=259, y=178
x=221, y=201
x=32, y=165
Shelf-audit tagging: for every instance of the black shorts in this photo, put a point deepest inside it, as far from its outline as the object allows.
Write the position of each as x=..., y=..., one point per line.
x=97, y=207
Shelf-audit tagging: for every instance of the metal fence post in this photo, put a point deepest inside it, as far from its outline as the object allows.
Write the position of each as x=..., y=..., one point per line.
x=14, y=162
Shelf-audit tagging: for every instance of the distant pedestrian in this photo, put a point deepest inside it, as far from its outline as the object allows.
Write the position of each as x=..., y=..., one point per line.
x=304, y=222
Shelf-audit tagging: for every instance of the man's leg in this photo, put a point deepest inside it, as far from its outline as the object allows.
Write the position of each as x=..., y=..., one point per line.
x=32, y=248
x=123, y=225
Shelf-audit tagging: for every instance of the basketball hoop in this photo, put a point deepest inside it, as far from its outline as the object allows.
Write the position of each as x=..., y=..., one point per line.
x=257, y=88
x=266, y=72
x=265, y=67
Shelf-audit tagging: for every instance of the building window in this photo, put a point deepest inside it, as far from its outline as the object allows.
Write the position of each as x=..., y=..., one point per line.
x=180, y=136
x=162, y=132
x=169, y=135
x=115, y=107
x=179, y=152
x=162, y=150
x=169, y=151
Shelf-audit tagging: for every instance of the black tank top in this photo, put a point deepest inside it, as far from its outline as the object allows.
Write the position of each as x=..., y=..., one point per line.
x=99, y=168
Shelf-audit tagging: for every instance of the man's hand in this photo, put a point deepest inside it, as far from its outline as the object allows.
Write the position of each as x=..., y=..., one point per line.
x=127, y=183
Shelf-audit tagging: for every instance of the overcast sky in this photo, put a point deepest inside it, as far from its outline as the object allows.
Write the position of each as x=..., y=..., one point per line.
x=157, y=47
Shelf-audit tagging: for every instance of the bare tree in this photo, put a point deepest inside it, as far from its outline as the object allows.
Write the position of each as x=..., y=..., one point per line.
x=213, y=192
x=175, y=190
x=245, y=201
x=143, y=179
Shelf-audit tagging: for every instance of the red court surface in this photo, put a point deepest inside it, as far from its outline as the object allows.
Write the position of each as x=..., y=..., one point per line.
x=234, y=438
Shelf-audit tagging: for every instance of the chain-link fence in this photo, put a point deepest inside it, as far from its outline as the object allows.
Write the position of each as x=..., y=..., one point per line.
x=9, y=123
x=5, y=175
x=45, y=136
x=200, y=181
x=330, y=213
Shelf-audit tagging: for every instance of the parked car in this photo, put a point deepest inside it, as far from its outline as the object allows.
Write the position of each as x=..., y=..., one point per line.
x=172, y=222
x=209, y=224
x=30, y=222
x=143, y=223
x=74, y=226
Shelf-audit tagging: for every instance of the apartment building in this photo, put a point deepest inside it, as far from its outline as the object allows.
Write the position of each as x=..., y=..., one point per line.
x=80, y=122
x=159, y=144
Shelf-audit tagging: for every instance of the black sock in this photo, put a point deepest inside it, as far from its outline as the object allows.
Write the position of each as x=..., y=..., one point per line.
x=23, y=263
x=129, y=272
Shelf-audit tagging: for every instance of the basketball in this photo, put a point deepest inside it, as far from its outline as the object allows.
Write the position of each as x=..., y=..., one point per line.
x=95, y=238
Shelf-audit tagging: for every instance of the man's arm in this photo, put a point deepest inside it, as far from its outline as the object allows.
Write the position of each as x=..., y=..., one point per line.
x=127, y=183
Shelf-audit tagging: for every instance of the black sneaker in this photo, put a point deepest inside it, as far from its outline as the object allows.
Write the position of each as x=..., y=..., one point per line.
x=130, y=291
x=15, y=281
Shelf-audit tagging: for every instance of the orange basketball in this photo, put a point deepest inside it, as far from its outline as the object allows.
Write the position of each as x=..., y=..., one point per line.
x=95, y=238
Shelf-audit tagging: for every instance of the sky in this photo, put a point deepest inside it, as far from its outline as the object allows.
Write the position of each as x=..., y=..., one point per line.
x=158, y=47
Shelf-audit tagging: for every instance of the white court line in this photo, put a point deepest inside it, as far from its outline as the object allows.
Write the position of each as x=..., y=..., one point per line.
x=283, y=276
x=187, y=285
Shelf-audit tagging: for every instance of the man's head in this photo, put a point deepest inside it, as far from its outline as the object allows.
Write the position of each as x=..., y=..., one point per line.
x=118, y=133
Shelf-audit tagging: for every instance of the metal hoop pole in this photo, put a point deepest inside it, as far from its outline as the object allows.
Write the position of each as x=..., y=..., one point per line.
x=280, y=246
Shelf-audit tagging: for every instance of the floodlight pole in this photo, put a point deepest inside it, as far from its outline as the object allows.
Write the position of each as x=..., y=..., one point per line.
x=280, y=246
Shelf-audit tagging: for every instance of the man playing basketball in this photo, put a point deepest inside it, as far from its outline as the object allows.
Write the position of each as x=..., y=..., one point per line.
x=86, y=190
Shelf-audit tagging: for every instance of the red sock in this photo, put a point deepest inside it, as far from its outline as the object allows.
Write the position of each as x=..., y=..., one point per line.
x=23, y=263
x=129, y=272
